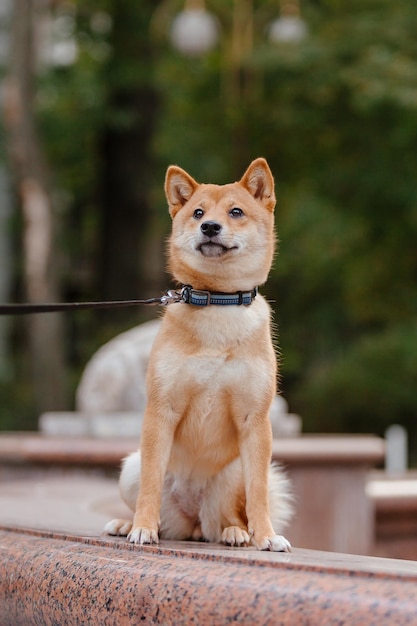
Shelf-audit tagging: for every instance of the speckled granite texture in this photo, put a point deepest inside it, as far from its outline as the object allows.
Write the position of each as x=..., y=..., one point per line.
x=50, y=579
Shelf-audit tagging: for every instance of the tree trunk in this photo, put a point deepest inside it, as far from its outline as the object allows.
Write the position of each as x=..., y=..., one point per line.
x=127, y=267
x=45, y=332
x=6, y=270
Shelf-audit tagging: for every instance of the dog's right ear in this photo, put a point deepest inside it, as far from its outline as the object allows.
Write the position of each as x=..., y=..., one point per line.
x=179, y=187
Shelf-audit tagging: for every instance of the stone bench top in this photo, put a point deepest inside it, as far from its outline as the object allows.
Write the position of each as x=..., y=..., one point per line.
x=311, y=449
x=394, y=494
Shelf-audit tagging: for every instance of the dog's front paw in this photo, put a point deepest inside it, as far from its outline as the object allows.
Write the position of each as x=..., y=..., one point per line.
x=275, y=543
x=118, y=527
x=235, y=536
x=142, y=536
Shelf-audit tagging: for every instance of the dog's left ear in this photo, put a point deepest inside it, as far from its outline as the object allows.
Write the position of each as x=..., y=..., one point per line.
x=179, y=187
x=258, y=180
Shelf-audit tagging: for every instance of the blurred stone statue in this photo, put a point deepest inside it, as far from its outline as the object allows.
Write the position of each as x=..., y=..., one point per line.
x=111, y=396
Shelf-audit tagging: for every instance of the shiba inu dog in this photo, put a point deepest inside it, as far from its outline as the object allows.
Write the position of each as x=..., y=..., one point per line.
x=203, y=470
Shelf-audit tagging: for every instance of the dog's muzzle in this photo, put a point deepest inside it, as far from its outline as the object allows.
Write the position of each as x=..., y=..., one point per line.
x=211, y=244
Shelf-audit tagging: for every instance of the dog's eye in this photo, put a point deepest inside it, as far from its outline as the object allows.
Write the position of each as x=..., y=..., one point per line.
x=198, y=214
x=236, y=212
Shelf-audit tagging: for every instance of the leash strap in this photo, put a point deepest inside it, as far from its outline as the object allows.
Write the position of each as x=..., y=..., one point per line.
x=187, y=294
x=26, y=309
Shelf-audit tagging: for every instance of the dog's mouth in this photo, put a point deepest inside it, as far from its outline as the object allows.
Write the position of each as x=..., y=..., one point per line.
x=213, y=249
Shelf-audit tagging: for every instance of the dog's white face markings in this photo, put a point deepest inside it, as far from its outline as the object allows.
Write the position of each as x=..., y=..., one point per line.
x=217, y=233
x=222, y=232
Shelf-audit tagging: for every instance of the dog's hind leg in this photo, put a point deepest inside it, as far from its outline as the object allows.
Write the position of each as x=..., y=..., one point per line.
x=174, y=524
x=179, y=515
x=118, y=527
x=222, y=513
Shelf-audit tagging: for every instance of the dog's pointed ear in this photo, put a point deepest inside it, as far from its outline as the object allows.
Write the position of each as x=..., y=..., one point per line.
x=179, y=187
x=258, y=180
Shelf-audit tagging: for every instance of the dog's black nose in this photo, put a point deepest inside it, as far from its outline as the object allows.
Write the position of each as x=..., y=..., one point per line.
x=211, y=229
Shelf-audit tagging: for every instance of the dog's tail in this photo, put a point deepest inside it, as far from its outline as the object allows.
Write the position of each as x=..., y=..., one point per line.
x=281, y=498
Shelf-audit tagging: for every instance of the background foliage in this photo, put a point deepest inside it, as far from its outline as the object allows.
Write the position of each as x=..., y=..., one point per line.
x=336, y=117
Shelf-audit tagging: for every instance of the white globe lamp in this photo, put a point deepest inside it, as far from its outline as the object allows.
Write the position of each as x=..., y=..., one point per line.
x=194, y=32
x=288, y=29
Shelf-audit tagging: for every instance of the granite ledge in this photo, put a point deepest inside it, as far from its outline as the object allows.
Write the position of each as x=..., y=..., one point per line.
x=49, y=578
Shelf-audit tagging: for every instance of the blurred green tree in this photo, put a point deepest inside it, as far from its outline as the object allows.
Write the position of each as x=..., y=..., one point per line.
x=41, y=259
x=334, y=114
x=347, y=272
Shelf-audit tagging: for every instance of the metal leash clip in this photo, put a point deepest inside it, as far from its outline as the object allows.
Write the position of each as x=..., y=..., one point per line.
x=172, y=296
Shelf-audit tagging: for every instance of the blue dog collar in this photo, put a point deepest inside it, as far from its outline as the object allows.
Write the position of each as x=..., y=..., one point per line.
x=198, y=297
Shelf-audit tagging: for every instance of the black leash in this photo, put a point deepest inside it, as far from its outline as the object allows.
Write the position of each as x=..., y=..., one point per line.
x=187, y=294
x=28, y=308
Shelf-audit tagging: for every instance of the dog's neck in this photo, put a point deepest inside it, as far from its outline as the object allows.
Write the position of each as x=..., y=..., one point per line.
x=199, y=297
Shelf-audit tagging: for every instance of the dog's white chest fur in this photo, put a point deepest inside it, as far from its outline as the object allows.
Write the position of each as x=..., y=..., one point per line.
x=216, y=360
x=208, y=385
